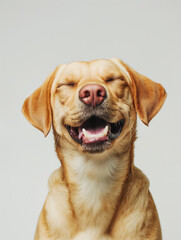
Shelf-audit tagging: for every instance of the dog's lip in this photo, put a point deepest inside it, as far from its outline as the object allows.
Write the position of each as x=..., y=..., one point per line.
x=95, y=130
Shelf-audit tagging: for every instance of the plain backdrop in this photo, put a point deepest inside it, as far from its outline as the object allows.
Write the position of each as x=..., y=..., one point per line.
x=35, y=37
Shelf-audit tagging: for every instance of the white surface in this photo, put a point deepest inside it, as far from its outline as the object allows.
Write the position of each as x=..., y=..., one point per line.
x=36, y=36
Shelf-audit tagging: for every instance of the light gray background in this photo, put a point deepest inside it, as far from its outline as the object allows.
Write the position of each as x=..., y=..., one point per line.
x=36, y=36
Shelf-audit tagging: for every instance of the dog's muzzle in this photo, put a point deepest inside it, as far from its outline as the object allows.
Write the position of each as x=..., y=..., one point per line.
x=95, y=133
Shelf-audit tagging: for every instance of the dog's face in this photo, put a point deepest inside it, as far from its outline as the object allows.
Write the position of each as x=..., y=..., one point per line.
x=93, y=105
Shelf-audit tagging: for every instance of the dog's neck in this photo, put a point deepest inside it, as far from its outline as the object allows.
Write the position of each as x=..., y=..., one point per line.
x=94, y=181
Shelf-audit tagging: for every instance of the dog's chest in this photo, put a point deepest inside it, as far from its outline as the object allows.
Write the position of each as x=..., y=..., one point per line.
x=92, y=193
x=95, y=193
x=93, y=206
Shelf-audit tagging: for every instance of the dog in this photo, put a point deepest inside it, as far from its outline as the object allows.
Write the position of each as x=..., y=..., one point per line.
x=97, y=193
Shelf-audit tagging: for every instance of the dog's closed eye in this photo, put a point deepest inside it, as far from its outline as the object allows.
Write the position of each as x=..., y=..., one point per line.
x=71, y=84
x=113, y=78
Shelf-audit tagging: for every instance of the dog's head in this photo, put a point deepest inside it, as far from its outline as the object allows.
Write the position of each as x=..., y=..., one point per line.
x=94, y=105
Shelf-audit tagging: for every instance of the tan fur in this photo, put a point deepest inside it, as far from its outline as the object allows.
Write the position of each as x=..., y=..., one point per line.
x=100, y=196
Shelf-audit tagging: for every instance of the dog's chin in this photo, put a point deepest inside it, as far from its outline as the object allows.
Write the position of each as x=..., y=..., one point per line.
x=96, y=147
x=95, y=135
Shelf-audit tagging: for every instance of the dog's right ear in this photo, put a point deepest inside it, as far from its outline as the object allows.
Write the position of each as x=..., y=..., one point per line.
x=37, y=107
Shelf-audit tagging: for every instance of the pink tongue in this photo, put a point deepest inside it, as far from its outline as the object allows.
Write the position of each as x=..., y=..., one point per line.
x=94, y=138
x=95, y=131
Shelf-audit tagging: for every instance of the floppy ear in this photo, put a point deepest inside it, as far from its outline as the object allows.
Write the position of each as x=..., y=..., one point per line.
x=148, y=96
x=37, y=107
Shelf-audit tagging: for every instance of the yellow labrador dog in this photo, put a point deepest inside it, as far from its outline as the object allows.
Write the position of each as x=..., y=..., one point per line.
x=97, y=193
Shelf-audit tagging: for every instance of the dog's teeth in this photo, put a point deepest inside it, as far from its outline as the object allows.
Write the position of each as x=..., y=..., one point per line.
x=105, y=131
x=85, y=132
x=98, y=135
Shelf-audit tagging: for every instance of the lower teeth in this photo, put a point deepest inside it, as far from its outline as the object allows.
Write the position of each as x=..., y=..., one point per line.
x=99, y=135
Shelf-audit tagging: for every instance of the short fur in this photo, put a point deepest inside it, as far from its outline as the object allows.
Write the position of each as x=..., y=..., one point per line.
x=96, y=196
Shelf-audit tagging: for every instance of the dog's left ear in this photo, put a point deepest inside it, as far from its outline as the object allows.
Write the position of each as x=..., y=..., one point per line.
x=37, y=107
x=148, y=96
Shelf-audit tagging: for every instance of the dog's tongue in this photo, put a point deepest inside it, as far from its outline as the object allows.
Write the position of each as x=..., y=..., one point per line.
x=93, y=135
x=93, y=130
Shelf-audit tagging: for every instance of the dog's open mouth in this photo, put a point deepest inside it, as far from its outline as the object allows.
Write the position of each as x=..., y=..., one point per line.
x=95, y=132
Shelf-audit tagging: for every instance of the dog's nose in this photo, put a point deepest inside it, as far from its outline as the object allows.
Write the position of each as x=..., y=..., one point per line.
x=92, y=94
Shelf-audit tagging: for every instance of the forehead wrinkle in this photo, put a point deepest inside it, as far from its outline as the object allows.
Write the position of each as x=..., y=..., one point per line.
x=75, y=71
x=104, y=69
x=123, y=70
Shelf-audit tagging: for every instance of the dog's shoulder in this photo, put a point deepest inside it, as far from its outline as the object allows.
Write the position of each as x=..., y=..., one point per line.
x=139, y=179
x=56, y=216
